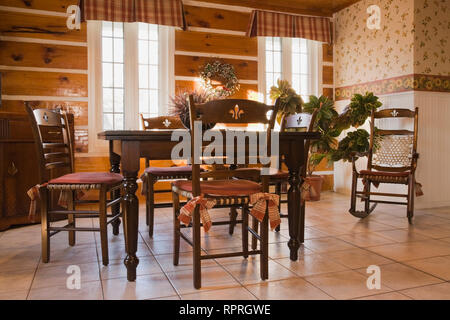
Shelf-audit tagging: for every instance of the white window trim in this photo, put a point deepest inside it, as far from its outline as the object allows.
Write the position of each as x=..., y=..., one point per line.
x=99, y=147
x=314, y=65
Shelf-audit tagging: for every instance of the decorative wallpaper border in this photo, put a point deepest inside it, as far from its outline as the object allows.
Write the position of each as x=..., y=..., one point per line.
x=412, y=82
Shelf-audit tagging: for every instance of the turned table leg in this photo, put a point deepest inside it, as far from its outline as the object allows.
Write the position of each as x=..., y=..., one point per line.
x=130, y=168
x=296, y=221
x=115, y=209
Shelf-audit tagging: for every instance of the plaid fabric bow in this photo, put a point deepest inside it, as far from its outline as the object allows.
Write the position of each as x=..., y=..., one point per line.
x=260, y=202
x=33, y=193
x=187, y=210
x=63, y=200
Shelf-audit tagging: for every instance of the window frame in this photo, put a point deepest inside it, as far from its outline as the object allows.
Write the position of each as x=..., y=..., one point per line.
x=314, y=65
x=166, y=38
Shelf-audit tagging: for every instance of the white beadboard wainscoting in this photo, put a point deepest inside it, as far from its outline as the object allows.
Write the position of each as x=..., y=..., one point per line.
x=433, y=170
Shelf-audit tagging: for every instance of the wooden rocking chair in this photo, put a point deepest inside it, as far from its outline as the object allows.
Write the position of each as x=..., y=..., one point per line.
x=392, y=160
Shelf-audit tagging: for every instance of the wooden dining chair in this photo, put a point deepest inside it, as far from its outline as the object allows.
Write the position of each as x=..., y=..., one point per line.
x=152, y=175
x=392, y=158
x=279, y=176
x=221, y=188
x=54, y=148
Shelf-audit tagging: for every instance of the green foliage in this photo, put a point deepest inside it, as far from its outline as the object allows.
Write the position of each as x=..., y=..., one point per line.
x=331, y=124
x=355, y=141
x=290, y=102
x=359, y=109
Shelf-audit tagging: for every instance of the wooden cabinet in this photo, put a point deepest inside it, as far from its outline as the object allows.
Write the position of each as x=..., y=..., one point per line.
x=18, y=168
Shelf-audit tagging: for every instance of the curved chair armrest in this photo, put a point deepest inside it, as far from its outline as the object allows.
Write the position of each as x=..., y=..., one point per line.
x=355, y=156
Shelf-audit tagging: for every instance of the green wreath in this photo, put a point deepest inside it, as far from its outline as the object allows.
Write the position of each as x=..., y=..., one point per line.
x=223, y=73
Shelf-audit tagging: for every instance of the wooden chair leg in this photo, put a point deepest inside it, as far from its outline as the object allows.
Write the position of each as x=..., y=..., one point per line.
x=353, y=194
x=103, y=227
x=150, y=205
x=255, y=225
x=411, y=194
x=71, y=217
x=176, y=228
x=197, y=249
x=233, y=217
x=115, y=210
x=367, y=197
x=245, y=231
x=264, y=244
x=45, y=224
x=278, y=192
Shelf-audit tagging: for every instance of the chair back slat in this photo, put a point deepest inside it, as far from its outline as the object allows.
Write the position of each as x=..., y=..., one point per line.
x=232, y=111
x=382, y=132
x=229, y=111
x=311, y=128
x=53, y=142
x=396, y=147
x=164, y=122
x=394, y=113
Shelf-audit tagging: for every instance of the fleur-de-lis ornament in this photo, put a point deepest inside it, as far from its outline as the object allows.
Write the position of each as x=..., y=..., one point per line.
x=45, y=117
x=167, y=123
x=299, y=120
x=236, y=113
x=394, y=113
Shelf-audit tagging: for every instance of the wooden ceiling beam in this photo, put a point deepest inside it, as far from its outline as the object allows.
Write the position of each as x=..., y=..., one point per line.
x=324, y=8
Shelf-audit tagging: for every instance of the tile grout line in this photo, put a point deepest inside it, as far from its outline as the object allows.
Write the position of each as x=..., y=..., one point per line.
x=34, y=276
x=160, y=266
x=98, y=260
x=403, y=264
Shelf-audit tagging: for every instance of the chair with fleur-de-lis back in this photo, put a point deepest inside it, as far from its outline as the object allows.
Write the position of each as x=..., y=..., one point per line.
x=392, y=158
x=220, y=187
x=152, y=175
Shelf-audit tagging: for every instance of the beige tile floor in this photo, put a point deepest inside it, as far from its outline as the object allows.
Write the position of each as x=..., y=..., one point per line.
x=414, y=260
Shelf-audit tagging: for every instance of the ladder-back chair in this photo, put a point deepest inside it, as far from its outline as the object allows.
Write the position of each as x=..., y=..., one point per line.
x=392, y=158
x=154, y=174
x=221, y=188
x=54, y=148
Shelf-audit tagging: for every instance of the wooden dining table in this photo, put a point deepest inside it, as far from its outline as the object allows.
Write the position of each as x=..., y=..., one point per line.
x=126, y=147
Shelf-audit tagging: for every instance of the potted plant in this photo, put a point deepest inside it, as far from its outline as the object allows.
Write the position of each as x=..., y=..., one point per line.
x=180, y=106
x=290, y=102
x=331, y=124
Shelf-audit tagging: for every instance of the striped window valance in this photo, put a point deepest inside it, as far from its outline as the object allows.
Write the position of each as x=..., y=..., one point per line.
x=162, y=12
x=274, y=24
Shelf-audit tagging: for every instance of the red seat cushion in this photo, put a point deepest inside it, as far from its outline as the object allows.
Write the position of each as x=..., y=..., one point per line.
x=88, y=178
x=222, y=187
x=384, y=173
x=169, y=171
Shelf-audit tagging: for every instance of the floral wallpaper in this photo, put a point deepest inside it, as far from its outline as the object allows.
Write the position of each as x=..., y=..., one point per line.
x=432, y=37
x=363, y=55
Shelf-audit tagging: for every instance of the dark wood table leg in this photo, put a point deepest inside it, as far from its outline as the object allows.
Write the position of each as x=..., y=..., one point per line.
x=294, y=214
x=130, y=168
x=114, y=160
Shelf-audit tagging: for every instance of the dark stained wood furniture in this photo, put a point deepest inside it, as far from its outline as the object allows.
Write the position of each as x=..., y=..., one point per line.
x=154, y=174
x=278, y=177
x=394, y=161
x=54, y=150
x=220, y=186
x=17, y=168
x=128, y=146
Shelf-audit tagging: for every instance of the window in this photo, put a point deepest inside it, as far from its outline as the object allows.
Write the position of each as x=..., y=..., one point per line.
x=148, y=67
x=295, y=60
x=112, y=76
x=273, y=63
x=128, y=64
